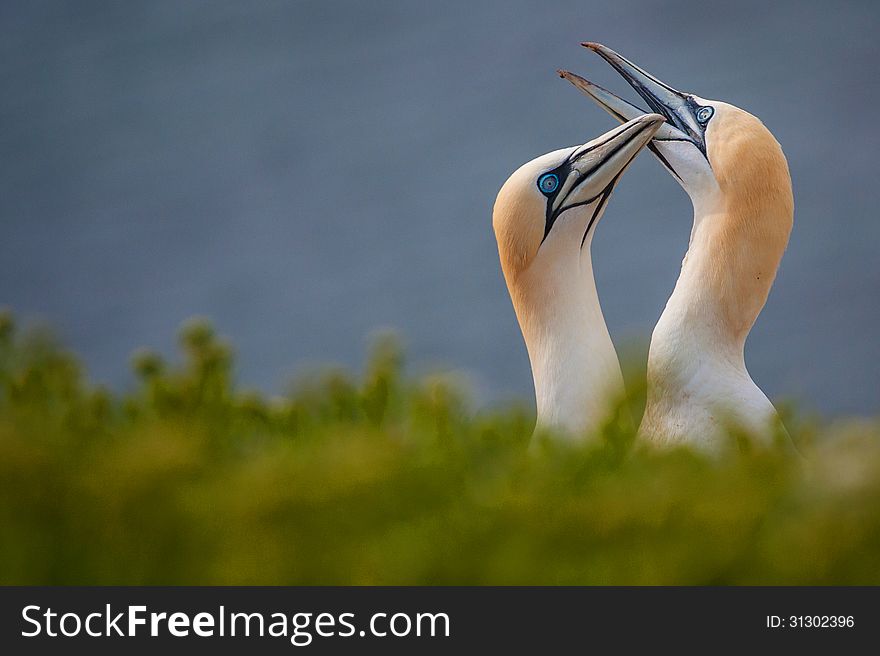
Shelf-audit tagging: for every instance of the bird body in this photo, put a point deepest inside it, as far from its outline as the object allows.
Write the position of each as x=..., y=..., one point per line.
x=544, y=220
x=698, y=383
x=737, y=177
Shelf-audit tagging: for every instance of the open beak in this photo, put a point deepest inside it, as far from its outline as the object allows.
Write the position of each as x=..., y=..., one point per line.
x=619, y=108
x=676, y=107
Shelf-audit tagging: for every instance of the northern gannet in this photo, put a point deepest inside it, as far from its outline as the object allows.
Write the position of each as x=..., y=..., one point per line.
x=544, y=219
x=737, y=177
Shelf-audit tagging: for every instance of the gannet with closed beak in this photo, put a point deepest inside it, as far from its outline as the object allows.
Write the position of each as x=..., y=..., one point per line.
x=544, y=220
x=737, y=178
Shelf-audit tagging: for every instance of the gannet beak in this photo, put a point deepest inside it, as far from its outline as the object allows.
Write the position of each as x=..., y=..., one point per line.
x=676, y=107
x=619, y=108
x=594, y=168
x=590, y=172
x=606, y=157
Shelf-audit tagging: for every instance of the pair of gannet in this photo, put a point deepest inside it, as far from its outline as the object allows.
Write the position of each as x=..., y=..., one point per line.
x=737, y=178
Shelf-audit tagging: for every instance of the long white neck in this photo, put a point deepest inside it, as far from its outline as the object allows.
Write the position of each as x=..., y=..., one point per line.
x=697, y=377
x=574, y=365
x=743, y=211
x=695, y=326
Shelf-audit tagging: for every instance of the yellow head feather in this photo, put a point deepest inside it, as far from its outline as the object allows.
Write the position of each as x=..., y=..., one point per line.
x=750, y=230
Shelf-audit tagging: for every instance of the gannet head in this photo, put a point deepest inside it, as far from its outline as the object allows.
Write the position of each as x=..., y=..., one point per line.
x=732, y=168
x=544, y=219
x=547, y=211
x=716, y=151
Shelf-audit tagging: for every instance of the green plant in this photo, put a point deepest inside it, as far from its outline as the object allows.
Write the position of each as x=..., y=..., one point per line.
x=383, y=479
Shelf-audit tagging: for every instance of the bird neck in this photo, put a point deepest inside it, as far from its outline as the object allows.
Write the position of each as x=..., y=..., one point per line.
x=574, y=365
x=726, y=275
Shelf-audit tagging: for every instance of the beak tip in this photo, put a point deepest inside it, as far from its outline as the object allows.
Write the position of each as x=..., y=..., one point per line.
x=591, y=45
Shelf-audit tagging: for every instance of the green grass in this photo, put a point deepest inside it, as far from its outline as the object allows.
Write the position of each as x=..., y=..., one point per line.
x=382, y=479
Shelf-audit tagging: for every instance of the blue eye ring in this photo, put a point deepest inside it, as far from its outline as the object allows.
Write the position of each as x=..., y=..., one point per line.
x=704, y=114
x=548, y=183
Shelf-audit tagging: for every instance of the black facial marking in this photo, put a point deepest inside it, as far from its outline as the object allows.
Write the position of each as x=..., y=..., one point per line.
x=700, y=137
x=697, y=138
x=662, y=159
x=562, y=172
x=606, y=194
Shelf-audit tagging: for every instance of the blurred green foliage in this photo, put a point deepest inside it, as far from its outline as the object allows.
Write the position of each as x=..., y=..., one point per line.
x=188, y=479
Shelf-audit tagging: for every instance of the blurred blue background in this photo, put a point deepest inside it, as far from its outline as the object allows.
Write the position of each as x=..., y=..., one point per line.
x=306, y=172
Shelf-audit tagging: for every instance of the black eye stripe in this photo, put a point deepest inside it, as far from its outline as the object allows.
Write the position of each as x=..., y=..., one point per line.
x=564, y=170
x=662, y=159
x=561, y=172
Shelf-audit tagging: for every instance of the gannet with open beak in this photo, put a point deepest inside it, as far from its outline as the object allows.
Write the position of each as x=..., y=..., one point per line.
x=737, y=178
x=544, y=220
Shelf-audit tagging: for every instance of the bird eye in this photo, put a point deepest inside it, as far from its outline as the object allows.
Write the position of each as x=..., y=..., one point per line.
x=704, y=114
x=548, y=183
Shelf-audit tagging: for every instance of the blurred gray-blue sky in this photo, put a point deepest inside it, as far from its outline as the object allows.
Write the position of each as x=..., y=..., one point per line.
x=305, y=172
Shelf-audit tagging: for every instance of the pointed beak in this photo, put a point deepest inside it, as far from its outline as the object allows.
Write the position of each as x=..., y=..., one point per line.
x=607, y=156
x=598, y=164
x=592, y=170
x=619, y=108
x=676, y=107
